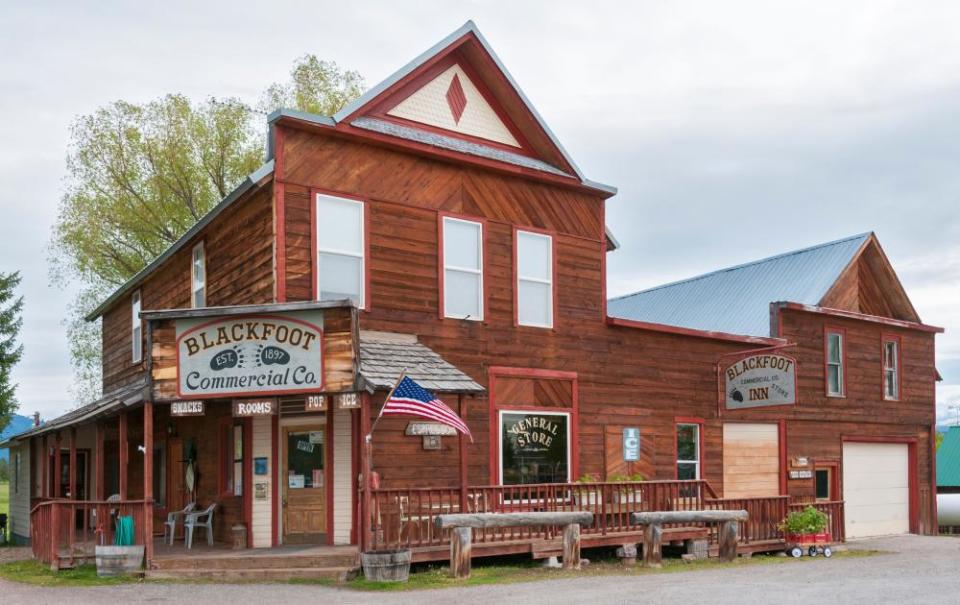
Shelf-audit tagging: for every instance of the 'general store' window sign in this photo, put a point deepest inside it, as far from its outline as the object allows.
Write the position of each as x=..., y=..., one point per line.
x=250, y=355
x=761, y=380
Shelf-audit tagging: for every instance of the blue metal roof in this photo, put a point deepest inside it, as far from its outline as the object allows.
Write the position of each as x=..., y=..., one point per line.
x=737, y=300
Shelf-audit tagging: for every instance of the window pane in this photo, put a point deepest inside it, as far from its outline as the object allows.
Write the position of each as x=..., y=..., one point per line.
x=686, y=471
x=461, y=293
x=461, y=244
x=833, y=379
x=534, y=307
x=340, y=277
x=533, y=256
x=339, y=225
x=687, y=442
x=305, y=460
x=833, y=348
x=891, y=383
x=534, y=448
x=237, y=478
x=823, y=484
x=200, y=298
x=890, y=356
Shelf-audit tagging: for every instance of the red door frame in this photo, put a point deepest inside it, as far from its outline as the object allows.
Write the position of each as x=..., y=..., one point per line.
x=913, y=485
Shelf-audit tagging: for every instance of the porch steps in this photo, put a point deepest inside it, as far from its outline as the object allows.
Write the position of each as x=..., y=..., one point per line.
x=266, y=567
x=270, y=574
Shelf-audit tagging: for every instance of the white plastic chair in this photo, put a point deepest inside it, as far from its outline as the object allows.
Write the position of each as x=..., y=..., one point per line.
x=203, y=519
x=170, y=525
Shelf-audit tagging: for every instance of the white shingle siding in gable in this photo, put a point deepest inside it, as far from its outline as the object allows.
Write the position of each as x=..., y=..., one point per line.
x=342, y=477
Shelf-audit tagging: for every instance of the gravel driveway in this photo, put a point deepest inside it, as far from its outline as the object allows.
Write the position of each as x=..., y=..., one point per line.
x=920, y=570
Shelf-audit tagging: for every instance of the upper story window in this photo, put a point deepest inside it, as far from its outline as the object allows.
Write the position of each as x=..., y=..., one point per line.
x=534, y=279
x=835, y=358
x=341, y=250
x=198, y=277
x=462, y=269
x=136, y=332
x=688, y=451
x=891, y=369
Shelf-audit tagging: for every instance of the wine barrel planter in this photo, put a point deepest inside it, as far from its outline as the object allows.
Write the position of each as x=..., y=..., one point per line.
x=386, y=565
x=119, y=560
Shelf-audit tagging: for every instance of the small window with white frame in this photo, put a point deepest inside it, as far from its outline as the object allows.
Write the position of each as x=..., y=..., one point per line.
x=198, y=277
x=835, y=355
x=462, y=269
x=136, y=332
x=891, y=369
x=534, y=279
x=688, y=451
x=341, y=250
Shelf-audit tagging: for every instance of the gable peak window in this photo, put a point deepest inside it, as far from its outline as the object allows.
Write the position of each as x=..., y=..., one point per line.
x=198, y=277
x=534, y=279
x=136, y=326
x=462, y=269
x=341, y=249
x=835, y=359
x=891, y=369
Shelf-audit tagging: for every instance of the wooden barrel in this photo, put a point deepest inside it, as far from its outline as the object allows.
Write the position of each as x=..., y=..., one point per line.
x=119, y=560
x=386, y=565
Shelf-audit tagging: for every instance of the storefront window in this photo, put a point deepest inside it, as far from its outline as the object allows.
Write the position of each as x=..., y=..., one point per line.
x=534, y=447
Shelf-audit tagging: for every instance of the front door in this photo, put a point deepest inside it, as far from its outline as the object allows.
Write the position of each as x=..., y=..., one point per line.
x=304, y=489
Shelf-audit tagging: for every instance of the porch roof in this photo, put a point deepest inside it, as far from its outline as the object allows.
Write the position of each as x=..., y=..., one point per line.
x=384, y=355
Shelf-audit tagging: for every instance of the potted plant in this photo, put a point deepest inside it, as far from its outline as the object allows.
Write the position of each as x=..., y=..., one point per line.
x=627, y=494
x=805, y=527
x=587, y=495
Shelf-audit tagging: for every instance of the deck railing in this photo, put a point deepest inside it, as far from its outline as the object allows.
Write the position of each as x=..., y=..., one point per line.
x=834, y=511
x=765, y=515
x=67, y=530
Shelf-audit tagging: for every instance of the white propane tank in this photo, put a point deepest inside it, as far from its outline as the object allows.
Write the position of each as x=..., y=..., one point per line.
x=948, y=509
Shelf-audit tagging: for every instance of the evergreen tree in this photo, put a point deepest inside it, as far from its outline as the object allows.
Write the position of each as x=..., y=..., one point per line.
x=10, y=351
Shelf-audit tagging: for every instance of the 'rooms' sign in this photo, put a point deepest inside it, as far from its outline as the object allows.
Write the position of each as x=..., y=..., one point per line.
x=761, y=380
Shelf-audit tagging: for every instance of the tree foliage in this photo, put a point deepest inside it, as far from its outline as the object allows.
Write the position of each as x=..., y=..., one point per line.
x=140, y=175
x=11, y=307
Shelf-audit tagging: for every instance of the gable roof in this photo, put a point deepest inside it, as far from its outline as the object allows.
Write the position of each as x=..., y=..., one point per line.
x=737, y=300
x=948, y=459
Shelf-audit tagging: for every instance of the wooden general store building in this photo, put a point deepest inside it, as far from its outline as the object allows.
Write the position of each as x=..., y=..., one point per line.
x=437, y=226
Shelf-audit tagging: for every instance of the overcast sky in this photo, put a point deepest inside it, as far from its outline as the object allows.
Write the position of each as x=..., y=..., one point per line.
x=733, y=130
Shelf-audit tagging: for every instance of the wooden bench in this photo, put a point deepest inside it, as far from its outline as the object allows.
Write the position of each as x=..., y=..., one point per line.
x=653, y=532
x=461, y=538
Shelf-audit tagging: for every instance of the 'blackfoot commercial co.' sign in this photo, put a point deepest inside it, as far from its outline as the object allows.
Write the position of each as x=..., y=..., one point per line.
x=250, y=355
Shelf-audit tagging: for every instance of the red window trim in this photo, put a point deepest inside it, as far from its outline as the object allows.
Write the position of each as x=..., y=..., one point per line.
x=315, y=289
x=827, y=330
x=553, y=276
x=884, y=339
x=677, y=421
x=484, y=233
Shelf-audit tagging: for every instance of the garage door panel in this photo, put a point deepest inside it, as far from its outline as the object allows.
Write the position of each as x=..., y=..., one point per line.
x=876, y=489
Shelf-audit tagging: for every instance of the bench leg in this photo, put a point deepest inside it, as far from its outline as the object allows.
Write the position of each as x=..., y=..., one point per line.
x=728, y=541
x=461, y=545
x=652, y=536
x=571, y=546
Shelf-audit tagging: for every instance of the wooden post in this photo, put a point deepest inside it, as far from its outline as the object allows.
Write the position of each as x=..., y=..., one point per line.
x=45, y=466
x=462, y=448
x=728, y=541
x=124, y=451
x=148, y=480
x=461, y=546
x=652, y=536
x=73, y=463
x=366, y=452
x=571, y=546
x=99, y=462
x=56, y=465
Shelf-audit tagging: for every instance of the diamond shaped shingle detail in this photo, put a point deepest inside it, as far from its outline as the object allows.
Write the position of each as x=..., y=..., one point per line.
x=456, y=98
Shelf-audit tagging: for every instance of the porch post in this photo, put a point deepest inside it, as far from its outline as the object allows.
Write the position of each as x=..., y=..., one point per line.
x=73, y=463
x=365, y=451
x=56, y=465
x=99, y=462
x=462, y=446
x=44, y=467
x=148, y=480
x=124, y=454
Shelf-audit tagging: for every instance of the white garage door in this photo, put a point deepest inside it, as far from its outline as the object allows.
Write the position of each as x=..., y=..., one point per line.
x=876, y=489
x=751, y=460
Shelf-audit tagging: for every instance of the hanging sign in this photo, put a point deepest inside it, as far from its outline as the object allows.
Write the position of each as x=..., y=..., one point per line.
x=250, y=355
x=316, y=403
x=631, y=444
x=186, y=408
x=761, y=380
x=243, y=408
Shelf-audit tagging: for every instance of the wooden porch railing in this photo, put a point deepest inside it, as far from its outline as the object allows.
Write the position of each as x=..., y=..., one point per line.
x=834, y=512
x=64, y=531
x=765, y=514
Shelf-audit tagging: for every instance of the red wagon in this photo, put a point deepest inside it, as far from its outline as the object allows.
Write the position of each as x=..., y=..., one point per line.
x=811, y=544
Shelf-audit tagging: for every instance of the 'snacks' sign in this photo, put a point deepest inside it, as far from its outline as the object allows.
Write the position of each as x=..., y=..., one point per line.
x=761, y=380
x=250, y=355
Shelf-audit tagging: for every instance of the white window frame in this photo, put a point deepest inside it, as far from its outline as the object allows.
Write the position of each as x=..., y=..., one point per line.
x=471, y=271
x=891, y=369
x=549, y=282
x=696, y=448
x=500, y=414
x=198, y=285
x=839, y=364
x=321, y=250
x=136, y=328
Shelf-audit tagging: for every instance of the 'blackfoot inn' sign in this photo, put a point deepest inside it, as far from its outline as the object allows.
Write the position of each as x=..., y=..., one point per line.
x=761, y=380
x=250, y=355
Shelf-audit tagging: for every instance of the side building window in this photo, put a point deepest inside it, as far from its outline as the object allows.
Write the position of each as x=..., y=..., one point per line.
x=136, y=331
x=341, y=250
x=198, y=277
x=835, y=354
x=534, y=279
x=688, y=451
x=891, y=369
x=462, y=248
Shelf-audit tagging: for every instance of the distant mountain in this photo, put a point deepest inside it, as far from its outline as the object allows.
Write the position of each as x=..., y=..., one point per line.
x=18, y=424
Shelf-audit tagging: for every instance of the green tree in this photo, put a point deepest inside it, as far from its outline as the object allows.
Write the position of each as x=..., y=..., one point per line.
x=140, y=175
x=11, y=307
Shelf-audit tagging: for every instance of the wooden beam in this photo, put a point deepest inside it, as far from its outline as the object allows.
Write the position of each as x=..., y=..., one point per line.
x=461, y=548
x=73, y=463
x=148, y=480
x=571, y=546
x=99, y=462
x=56, y=465
x=693, y=516
x=45, y=466
x=529, y=519
x=728, y=541
x=366, y=451
x=124, y=454
x=462, y=449
x=652, y=538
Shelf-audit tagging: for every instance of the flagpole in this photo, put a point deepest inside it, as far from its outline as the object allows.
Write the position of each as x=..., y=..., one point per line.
x=403, y=374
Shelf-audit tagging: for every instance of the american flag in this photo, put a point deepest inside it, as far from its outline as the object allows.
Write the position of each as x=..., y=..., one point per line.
x=411, y=399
